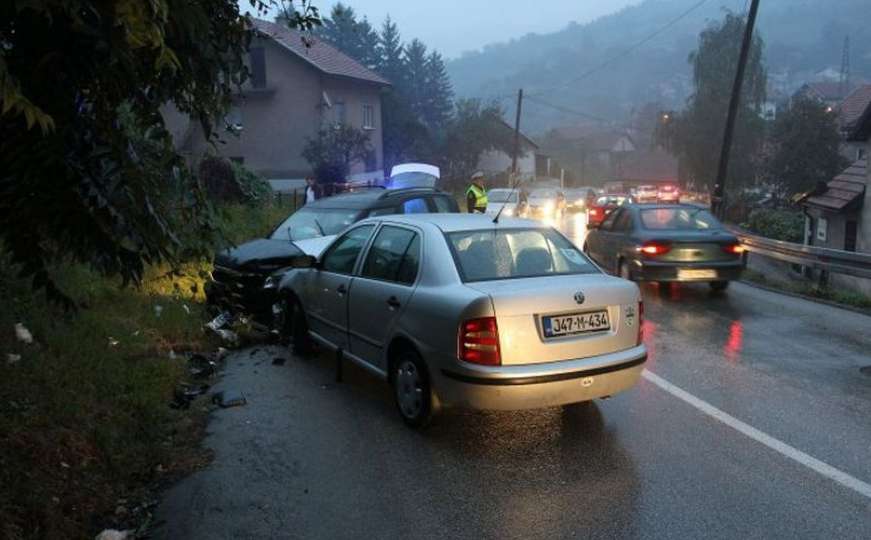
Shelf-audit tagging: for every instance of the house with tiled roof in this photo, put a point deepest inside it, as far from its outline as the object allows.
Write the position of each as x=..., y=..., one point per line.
x=830, y=93
x=297, y=86
x=849, y=112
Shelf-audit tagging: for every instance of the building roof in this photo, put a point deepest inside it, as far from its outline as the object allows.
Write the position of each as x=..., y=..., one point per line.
x=523, y=138
x=860, y=130
x=825, y=91
x=318, y=53
x=845, y=192
x=851, y=109
x=654, y=165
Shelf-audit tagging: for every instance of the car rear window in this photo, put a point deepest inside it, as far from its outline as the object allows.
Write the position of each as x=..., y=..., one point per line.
x=678, y=219
x=515, y=253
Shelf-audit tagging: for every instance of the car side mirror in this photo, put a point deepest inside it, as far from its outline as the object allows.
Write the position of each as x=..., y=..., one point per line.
x=303, y=261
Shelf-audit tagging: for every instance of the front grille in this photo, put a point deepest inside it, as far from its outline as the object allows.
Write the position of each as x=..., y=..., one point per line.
x=238, y=288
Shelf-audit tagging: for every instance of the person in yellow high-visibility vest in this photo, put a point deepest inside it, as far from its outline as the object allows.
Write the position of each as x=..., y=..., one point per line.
x=476, y=194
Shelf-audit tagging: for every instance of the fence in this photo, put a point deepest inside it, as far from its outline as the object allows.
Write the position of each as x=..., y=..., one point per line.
x=826, y=260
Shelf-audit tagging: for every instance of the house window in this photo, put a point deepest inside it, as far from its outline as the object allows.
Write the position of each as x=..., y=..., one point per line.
x=368, y=117
x=258, y=67
x=822, y=229
x=850, y=236
x=339, y=113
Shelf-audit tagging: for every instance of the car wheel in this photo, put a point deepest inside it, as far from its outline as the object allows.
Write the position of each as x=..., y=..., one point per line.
x=411, y=389
x=293, y=325
x=623, y=271
x=719, y=286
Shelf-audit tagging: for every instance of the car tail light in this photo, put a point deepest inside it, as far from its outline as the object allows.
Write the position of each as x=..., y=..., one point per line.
x=734, y=249
x=654, y=249
x=594, y=211
x=640, y=322
x=479, y=342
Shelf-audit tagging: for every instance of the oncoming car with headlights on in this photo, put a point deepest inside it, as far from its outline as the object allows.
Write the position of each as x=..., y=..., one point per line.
x=455, y=310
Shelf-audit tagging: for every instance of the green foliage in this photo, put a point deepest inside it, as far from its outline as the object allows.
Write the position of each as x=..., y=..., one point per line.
x=332, y=151
x=474, y=128
x=100, y=182
x=229, y=182
x=696, y=134
x=786, y=225
x=355, y=38
x=804, y=148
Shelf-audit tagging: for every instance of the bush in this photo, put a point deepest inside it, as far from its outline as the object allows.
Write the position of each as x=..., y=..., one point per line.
x=786, y=225
x=229, y=182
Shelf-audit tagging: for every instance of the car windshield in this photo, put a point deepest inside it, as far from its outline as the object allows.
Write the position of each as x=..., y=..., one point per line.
x=411, y=179
x=501, y=196
x=517, y=253
x=678, y=219
x=612, y=200
x=309, y=223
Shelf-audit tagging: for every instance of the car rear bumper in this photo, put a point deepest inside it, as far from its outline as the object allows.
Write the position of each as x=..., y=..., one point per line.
x=539, y=385
x=671, y=271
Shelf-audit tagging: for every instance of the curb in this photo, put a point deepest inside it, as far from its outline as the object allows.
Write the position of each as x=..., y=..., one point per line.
x=861, y=311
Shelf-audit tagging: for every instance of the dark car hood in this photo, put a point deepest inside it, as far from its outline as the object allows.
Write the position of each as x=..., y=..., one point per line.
x=256, y=253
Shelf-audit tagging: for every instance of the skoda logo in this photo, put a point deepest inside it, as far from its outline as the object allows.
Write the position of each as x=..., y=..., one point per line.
x=579, y=297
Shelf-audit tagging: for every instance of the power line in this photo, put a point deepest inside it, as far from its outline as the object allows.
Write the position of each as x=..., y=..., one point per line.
x=561, y=108
x=624, y=52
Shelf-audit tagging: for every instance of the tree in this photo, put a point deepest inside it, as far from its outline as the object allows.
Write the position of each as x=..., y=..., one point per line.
x=804, y=148
x=355, y=38
x=474, y=129
x=414, y=83
x=332, y=152
x=88, y=173
x=390, y=62
x=438, y=93
x=696, y=134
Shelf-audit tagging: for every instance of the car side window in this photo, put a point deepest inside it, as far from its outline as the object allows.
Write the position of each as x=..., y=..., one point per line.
x=442, y=204
x=342, y=256
x=608, y=224
x=387, y=211
x=394, y=256
x=415, y=206
x=623, y=222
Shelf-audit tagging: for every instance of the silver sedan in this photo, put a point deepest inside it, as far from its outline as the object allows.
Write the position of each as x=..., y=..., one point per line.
x=455, y=310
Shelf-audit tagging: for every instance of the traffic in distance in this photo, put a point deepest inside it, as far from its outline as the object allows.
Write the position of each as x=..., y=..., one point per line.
x=493, y=308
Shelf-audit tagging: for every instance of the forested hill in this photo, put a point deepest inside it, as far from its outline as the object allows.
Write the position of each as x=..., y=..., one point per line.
x=802, y=38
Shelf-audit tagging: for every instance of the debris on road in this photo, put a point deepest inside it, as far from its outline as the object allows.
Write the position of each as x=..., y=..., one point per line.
x=23, y=334
x=112, y=534
x=158, y=309
x=278, y=361
x=201, y=367
x=230, y=337
x=113, y=342
x=229, y=398
x=12, y=358
x=222, y=320
x=186, y=309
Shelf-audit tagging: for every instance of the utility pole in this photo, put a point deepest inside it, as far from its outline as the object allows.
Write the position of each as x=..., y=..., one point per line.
x=718, y=200
x=516, y=134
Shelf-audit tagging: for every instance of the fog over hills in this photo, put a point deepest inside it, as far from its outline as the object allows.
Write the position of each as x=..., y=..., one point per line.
x=804, y=40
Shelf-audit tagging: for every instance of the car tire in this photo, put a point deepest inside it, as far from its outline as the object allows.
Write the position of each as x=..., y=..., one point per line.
x=411, y=389
x=719, y=286
x=295, y=327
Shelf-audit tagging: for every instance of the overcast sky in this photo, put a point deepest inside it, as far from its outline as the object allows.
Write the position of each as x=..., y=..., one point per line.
x=455, y=26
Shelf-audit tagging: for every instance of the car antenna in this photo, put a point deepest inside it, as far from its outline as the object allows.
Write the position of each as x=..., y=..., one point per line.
x=508, y=198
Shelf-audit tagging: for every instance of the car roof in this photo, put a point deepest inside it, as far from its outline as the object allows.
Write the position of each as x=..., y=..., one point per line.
x=461, y=222
x=672, y=205
x=369, y=198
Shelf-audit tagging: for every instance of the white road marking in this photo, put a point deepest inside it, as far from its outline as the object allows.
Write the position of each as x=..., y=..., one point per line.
x=781, y=447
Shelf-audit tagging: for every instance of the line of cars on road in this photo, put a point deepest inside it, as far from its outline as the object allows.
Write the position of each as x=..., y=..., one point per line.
x=453, y=309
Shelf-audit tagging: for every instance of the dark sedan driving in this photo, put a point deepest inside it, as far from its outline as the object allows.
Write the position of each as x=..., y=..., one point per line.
x=666, y=243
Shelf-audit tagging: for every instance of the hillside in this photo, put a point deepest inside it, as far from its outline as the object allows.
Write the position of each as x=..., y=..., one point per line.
x=802, y=37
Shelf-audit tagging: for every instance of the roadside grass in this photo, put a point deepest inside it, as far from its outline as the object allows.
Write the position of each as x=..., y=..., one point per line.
x=806, y=288
x=85, y=420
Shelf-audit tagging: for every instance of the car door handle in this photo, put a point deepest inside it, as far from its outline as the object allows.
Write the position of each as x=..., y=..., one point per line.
x=341, y=289
x=393, y=302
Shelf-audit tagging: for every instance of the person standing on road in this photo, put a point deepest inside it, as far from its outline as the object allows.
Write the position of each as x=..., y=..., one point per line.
x=476, y=194
x=311, y=194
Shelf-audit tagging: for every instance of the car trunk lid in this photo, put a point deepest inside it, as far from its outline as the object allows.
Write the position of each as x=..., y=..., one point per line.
x=521, y=306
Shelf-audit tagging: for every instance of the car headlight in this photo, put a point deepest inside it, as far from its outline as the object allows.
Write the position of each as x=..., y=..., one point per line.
x=508, y=212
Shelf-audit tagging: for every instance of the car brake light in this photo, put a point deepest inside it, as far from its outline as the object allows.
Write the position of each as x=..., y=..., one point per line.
x=653, y=249
x=594, y=212
x=479, y=342
x=640, y=322
x=734, y=249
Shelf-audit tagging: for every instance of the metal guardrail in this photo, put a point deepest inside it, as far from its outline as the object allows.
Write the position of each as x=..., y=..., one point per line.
x=834, y=261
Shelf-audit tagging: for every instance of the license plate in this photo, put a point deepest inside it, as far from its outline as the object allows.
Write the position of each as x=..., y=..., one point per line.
x=575, y=323
x=696, y=274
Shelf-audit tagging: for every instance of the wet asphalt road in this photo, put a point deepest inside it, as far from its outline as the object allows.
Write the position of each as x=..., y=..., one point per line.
x=309, y=458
